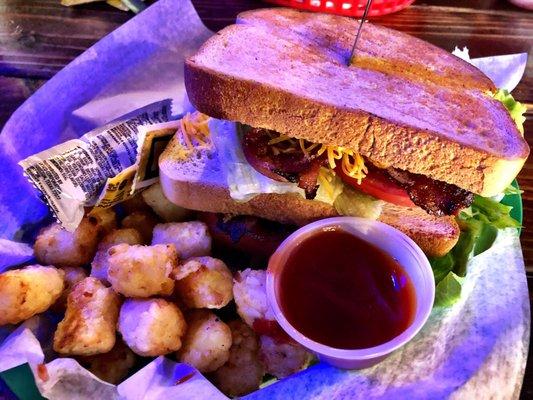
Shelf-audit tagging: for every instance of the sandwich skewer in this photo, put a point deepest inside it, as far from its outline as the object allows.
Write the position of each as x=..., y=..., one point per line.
x=363, y=18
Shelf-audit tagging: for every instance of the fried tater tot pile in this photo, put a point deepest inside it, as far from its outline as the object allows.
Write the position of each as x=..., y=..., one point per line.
x=137, y=281
x=28, y=291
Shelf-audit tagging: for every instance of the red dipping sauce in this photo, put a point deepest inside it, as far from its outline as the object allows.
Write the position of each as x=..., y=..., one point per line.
x=344, y=292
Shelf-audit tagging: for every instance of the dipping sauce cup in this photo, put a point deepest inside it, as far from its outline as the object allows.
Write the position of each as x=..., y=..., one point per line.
x=376, y=247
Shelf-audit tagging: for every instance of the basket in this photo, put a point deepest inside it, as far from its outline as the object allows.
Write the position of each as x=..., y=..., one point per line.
x=349, y=8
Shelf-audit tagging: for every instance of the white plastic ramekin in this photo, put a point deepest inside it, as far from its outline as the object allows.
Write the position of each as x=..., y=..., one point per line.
x=392, y=241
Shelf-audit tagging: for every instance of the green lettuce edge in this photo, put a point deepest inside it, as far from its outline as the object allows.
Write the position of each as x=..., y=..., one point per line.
x=479, y=225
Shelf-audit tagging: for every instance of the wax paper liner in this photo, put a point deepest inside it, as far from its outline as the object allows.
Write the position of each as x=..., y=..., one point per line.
x=476, y=349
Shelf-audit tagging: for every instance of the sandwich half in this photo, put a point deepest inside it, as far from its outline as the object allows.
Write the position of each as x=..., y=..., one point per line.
x=407, y=133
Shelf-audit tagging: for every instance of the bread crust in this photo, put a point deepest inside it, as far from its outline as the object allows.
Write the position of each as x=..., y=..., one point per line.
x=476, y=147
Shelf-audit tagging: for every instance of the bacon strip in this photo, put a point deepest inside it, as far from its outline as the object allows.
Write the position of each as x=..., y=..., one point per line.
x=308, y=179
x=296, y=167
x=435, y=197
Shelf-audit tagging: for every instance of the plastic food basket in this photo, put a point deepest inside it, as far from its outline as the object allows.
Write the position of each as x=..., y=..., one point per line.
x=349, y=8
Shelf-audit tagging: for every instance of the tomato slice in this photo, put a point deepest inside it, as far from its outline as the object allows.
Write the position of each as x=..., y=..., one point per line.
x=378, y=184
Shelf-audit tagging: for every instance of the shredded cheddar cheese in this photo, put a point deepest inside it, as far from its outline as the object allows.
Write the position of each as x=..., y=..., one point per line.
x=351, y=162
x=279, y=139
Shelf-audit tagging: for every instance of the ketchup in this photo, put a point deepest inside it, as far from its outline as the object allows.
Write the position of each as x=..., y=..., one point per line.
x=344, y=292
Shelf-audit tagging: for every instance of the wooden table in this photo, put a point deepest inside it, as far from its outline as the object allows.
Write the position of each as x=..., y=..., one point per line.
x=39, y=37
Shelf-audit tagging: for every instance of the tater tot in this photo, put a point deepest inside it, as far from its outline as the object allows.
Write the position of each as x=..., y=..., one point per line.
x=144, y=222
x=105, y=219
x=249, y=291
x=134, y=204
x=151, y=327
x=100, y=262
x=112, y=366
x=61, y=248
x=129, y=236
x=207, y=341
x=204, y=282
x=243, y=372
x=90, y=320
x=73, y=275
x=282, y=358
x=167, y=211
x=142, y=271
x=191, y=239
x=28, y=291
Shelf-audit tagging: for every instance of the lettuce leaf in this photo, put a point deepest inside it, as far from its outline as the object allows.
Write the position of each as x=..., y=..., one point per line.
x=347, y=201
x=511, y=190
x=490, y=212
x=448, y=290
x=330, y=186
x=244, y=182
x=442, y=266
x=515, y=108
x=479, y=228
x=357, y=204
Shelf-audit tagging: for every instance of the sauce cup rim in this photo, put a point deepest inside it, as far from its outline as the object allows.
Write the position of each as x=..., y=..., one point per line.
x=425, y=296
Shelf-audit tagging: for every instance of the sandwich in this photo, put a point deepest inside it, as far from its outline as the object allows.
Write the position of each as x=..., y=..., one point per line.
x=406, y=132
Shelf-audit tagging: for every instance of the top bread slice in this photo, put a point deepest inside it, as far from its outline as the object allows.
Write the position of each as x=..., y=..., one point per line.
x=404, y=102
x=197, y=182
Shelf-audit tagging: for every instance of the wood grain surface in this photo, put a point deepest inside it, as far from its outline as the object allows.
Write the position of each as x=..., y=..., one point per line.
x=39, y=37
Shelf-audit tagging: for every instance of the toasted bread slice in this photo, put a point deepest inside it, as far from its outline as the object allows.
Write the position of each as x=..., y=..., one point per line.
x=198, y=183
x=404, y=103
